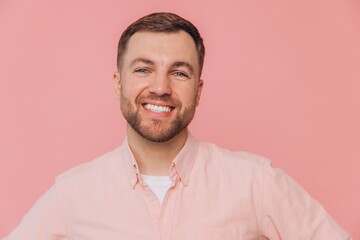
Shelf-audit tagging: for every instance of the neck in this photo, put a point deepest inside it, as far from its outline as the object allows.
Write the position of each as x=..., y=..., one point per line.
x=154, y=158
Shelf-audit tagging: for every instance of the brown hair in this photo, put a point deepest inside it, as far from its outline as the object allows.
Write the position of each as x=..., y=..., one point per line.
x=161, y=22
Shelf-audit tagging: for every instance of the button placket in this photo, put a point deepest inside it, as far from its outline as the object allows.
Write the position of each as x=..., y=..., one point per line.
x=152, y=204
x=168, y=206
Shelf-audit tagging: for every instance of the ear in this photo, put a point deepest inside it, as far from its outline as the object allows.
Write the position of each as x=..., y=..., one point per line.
x=199, y=90
x=117, y=84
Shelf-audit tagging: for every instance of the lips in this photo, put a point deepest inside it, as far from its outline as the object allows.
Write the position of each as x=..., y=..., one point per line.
x=160, y=105
x=157, y=108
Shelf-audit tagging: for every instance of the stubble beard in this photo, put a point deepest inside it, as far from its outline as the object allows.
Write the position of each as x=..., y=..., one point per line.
x=157, y=130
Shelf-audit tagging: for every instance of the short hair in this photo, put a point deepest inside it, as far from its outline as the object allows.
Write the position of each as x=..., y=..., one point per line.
x=161, y=22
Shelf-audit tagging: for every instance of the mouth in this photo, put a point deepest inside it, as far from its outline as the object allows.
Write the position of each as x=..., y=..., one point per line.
x=157, y=108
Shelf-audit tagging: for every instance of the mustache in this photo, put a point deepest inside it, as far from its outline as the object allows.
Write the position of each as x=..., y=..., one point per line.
x=163, y=98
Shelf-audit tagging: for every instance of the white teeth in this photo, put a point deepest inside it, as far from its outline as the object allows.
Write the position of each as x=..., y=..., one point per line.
x=158, y=109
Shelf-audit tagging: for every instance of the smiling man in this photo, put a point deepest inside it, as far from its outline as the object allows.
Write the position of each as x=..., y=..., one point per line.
x=159, y=86
x=162, y=183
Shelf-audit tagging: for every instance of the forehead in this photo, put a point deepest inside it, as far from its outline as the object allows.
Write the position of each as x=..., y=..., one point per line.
x=162, y=47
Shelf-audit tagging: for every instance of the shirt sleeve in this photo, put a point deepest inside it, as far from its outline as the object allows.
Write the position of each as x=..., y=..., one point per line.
x=290, y=213
x=44, y=221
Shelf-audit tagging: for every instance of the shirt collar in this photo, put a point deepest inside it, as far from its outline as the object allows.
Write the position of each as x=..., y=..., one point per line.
x=180, y=166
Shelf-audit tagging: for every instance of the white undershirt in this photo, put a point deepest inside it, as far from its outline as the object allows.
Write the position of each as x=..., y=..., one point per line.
x=158, y=184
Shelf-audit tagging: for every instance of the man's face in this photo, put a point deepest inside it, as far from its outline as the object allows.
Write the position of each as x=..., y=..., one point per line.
x=159, y=84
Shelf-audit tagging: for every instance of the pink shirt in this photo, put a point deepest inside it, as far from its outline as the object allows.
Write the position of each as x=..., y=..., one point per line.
x=216, y=194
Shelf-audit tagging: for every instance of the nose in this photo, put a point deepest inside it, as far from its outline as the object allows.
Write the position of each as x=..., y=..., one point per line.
x=160, y=85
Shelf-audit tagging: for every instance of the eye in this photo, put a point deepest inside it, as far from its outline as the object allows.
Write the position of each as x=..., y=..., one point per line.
x=141, y=70
x=180, y=74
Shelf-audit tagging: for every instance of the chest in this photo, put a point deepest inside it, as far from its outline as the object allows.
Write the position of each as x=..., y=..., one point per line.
x=214, y=211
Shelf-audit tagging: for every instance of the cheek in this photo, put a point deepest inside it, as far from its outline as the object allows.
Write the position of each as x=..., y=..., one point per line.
x=186, y=98
x=188, y=94
x=126, y=90
x=131, y=88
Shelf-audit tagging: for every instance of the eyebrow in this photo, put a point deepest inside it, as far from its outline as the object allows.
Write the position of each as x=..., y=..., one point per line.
x=184, y=64
x=142, y=60
x=174, y=65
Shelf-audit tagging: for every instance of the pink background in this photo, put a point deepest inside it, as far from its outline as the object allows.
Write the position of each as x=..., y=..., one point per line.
x=282, y=79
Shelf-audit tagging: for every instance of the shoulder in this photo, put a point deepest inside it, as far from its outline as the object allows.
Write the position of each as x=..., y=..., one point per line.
x=92, y=170
x=222, y=155
x=236, y=163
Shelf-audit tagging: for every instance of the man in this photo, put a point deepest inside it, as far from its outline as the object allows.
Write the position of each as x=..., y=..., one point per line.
x=162, y=183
